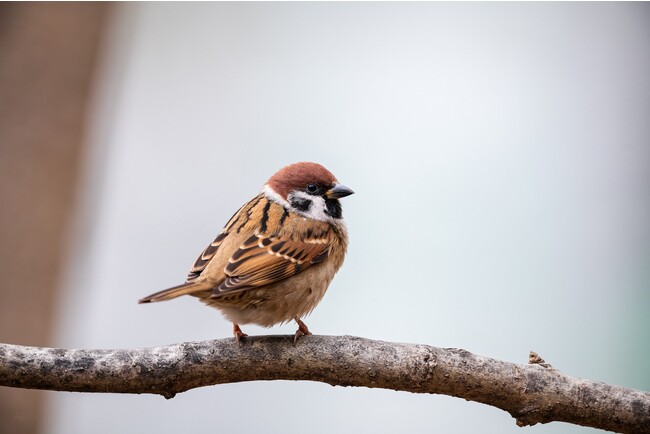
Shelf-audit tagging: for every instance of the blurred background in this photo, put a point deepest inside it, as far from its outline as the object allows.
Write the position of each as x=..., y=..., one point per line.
x=500, y=153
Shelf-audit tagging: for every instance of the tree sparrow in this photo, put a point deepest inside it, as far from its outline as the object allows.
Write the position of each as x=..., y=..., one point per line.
x=275, y=258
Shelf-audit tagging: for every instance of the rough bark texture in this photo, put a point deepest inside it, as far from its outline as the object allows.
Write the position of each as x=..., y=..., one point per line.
x=533, y=393
x=47, y=58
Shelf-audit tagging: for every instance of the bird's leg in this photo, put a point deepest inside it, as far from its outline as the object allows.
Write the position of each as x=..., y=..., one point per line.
x=302, y=330
x=237, y=332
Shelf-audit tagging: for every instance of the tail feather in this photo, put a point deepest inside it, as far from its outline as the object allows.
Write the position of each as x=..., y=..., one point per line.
x=176, y=291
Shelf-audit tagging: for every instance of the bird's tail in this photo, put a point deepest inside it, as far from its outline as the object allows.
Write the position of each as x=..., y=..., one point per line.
x=176, y=291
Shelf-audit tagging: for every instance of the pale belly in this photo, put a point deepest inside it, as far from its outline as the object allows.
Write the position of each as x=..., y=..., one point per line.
x=277, y=303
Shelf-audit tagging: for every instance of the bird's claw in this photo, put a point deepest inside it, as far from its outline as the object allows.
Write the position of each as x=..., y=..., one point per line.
x=237, y=332
x=302, y=331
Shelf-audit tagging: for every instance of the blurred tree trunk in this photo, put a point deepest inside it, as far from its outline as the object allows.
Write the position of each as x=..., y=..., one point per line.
x=47, y=57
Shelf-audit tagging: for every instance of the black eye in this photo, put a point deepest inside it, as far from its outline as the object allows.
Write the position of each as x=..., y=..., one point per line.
x=312, y=188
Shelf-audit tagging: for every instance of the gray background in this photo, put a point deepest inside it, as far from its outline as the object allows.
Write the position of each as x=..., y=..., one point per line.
x=500, y=154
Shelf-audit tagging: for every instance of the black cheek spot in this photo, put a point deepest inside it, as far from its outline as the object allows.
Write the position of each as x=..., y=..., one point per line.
x=301, y=204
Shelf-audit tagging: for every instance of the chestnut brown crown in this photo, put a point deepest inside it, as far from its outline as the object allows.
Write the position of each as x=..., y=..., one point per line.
x=298, y=175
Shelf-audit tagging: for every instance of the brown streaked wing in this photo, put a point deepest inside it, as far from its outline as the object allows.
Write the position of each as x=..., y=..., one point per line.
x=239, y=219
x=205, y=257
x=264, y=260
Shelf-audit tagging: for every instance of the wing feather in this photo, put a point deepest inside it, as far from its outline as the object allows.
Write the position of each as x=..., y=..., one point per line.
x=262, y=260
x=205, y=257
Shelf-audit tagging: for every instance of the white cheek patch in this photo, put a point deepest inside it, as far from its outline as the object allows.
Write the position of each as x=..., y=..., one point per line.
x=316, y=211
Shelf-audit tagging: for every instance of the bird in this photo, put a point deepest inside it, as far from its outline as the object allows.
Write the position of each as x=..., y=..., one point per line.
x=275, y=258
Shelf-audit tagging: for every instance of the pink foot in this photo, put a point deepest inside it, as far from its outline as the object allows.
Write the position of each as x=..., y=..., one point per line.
x=237, y=332
x=302, y=330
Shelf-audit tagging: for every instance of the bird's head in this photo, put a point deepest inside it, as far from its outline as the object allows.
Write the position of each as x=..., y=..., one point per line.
x=308, y=189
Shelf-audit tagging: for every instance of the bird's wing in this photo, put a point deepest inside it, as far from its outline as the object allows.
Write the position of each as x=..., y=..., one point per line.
x=205, y=257
x=239, y=219
x=263, y=259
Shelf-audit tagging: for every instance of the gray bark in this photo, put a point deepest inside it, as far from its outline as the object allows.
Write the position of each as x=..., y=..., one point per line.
x=532, y=393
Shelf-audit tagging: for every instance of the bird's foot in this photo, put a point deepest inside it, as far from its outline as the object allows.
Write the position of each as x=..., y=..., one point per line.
x=302, y=330
x=237, y=332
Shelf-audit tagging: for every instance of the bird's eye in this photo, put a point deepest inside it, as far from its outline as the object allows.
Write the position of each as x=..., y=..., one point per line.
x=312, y=188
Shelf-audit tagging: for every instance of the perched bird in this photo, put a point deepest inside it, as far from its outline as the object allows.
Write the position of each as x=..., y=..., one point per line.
x=276, y=256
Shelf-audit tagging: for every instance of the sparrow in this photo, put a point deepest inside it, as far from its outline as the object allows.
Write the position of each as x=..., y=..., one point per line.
x=276, y=256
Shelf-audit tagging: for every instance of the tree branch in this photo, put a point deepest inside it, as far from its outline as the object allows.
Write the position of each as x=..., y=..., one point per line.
x=533, y=393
